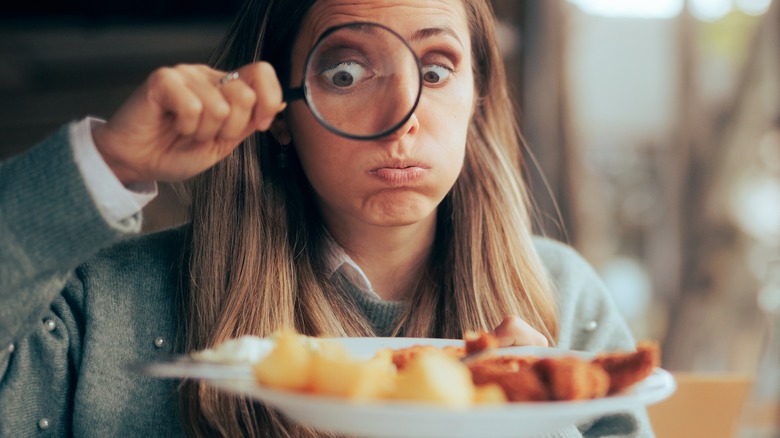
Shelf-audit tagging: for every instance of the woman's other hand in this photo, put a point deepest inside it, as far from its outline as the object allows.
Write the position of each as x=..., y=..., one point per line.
x=514, y=331
x=185, y=119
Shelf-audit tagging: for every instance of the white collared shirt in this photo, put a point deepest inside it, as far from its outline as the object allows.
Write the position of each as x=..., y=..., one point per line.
x=340, y=260
x=115, y=201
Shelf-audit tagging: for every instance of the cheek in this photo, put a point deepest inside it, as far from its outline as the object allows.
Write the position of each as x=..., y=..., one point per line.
x=322, y=154
x=447, y=118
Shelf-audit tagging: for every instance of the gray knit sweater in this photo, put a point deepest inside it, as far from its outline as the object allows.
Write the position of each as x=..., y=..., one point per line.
x=81, y=298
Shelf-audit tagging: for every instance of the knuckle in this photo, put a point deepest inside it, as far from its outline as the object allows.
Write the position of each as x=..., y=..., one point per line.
x=185, y=68
x=192, y=108
x=266, y=69
x=162, y=76
x=220, y=110
x=245, y=97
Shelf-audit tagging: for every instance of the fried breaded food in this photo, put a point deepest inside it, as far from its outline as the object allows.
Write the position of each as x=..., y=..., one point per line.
x=570, y=378
x=561, y=378
x=518, y=379
x=402, y=356
x=479, y=341
x=626, y=369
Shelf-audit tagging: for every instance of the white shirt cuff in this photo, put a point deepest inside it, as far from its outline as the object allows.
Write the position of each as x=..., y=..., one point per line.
x=115, y=201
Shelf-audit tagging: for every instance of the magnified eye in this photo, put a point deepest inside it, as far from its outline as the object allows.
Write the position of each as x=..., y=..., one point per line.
x=345, y=74
x=435, y=74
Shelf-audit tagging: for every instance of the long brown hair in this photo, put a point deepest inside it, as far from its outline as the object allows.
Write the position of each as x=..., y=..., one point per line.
x=255, y=258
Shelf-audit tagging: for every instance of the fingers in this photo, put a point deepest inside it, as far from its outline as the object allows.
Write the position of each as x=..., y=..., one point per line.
x=514, y=331
x=168, y=87
x=183, y=120
x=241, y=100
x=209, y=109
x=261, y=77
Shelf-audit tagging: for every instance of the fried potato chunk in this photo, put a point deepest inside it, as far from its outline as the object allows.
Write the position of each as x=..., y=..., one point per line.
x=490, y=394
x=432, y=376
x=334, y=372
x=288, y=365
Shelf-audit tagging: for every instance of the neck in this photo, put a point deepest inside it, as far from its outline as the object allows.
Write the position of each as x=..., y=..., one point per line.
x=393, y=258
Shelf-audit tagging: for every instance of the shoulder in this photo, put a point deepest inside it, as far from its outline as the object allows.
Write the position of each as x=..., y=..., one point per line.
x=148, y=253
x=161, y=244
x=563, y=263
x=588, y=316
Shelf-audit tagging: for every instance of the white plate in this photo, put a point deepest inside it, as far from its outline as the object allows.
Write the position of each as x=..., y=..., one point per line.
x=399, y=419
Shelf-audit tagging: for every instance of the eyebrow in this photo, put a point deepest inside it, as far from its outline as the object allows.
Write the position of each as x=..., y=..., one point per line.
x=421, y=34
x=430, y=32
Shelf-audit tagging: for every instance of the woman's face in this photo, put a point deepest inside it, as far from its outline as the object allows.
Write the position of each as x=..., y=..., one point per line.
x=402, y=178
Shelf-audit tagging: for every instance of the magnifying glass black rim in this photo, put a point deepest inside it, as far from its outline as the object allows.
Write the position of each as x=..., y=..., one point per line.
x=302, y=92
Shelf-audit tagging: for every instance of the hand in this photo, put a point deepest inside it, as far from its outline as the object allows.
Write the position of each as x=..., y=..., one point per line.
x=182, y=121
x=514, y=331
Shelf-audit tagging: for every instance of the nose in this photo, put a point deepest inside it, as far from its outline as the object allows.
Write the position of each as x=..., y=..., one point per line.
x=410, y=127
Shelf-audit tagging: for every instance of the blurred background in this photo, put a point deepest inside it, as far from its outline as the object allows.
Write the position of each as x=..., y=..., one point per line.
x=653, y=133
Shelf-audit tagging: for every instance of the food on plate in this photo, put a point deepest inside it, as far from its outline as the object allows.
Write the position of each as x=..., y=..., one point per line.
x=516, y=379
x=428, y=374
x=239, y=350
x=563, y=378
x=478, y=342
x=626, y=369
x=288, y=365
x=334, y=372
x=569, y=378
x=433, y=376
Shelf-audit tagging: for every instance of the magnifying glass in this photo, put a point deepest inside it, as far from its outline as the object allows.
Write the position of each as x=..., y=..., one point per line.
x=361, y=81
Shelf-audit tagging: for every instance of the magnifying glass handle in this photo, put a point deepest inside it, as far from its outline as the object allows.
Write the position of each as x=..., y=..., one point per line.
x=291, y=94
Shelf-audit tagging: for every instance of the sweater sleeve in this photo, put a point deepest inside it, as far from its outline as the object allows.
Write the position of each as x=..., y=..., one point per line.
x=49, y=224
x=589, y=320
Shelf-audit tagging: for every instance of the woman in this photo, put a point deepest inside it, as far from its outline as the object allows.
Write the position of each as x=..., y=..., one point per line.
x=423, y=232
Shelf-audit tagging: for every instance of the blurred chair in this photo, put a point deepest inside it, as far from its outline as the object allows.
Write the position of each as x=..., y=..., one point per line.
x=704, y=405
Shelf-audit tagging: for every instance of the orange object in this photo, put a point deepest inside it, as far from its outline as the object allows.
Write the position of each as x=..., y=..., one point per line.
x=704, y=405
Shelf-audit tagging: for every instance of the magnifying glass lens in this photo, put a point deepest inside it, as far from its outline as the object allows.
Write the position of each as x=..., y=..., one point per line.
x=362, y=81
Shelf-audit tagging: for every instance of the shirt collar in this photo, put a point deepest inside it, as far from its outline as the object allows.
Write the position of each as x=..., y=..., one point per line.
x=339, y=260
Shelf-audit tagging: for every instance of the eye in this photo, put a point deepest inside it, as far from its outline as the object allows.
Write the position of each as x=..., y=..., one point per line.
x=345, y=75
x=434, y=74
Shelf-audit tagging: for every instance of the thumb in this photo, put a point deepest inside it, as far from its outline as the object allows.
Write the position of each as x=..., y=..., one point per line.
x=514, y=331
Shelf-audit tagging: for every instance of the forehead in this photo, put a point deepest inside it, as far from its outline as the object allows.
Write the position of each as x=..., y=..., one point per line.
x=404, y=16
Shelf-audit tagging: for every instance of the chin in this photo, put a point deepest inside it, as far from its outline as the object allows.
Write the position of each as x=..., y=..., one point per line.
x=399, y=208
x=401, y=217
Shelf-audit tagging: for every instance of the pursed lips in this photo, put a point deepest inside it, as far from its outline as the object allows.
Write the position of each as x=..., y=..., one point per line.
x=400, y=173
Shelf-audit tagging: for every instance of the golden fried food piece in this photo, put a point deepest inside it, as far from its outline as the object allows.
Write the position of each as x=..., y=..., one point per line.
x=626, y=369
x=288, y=365
x=517, y=378
x=479, y=341
x=402, y=356
x=453, y=351
x=571, y=378
x=334, y=372
x=431, y=376
x=523, y=385
x=489, y=394
x=525, y=378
